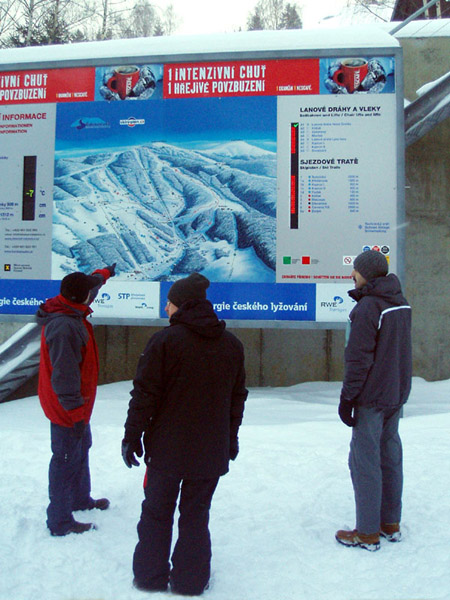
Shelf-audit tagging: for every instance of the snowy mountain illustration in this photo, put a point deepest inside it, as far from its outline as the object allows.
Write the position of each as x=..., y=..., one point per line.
x=160, y=212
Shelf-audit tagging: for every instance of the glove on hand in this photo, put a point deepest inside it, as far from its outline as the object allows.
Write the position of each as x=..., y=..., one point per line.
x=345, y=411
x=78, y=429
x=129, y=449
x=111, y=269
x=234, y=448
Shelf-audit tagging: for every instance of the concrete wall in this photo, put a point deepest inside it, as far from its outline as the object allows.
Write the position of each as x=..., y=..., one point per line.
x=428, y=217
x=273, y=357
x=276, y=357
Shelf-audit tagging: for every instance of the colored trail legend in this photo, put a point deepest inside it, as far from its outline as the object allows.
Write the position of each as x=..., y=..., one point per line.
x=294, y=175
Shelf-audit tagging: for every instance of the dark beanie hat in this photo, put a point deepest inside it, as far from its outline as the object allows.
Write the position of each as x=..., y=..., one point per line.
x=371, y=264
x=190, y=288
x=76, y=286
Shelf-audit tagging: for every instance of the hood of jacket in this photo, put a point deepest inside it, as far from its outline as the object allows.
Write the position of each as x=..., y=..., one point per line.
x=388, y=288
x=199, y=316
x=59, y=306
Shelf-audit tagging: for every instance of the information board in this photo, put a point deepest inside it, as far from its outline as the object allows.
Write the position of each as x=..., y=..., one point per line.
x=267, y=176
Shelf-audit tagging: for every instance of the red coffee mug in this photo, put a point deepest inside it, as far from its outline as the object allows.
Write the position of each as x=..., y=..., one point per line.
x=351, y=73
x=123, y=80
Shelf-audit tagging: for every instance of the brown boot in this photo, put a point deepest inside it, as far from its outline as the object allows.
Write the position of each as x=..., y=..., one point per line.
x=77, y=527
x=354, y=538
x=391, y=531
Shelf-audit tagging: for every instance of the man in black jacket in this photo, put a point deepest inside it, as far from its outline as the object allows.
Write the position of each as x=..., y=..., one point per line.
x=377, y=382
x=188, y=401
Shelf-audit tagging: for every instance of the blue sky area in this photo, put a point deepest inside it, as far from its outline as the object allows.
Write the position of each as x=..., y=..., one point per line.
x=183, y=122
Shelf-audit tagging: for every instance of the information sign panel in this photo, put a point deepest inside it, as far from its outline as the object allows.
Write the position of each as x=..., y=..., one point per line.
x=267, y=176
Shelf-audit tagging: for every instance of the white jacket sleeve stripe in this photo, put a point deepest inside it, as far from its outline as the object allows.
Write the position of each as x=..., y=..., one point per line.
x=389, y=310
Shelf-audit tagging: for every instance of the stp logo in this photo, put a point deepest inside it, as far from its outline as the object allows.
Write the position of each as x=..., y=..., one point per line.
x=123, y=296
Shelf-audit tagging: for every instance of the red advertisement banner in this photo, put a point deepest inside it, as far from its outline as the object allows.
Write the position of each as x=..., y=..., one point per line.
x=242, y=78
x=47, y=86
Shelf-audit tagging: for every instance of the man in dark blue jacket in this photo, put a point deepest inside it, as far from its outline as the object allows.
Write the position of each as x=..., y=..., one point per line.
x=188, y=401
x=377, y=382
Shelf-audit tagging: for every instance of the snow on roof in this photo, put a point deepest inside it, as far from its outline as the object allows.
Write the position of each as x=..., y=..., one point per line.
x=190, y=46
x=421, y=28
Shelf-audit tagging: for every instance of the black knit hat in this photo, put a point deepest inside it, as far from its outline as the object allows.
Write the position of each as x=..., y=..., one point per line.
x=190, y=288
x=371, y=264
x=76, y=286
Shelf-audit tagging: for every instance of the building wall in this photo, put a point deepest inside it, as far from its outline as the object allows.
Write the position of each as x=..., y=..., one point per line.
x=277, y=357
x=428, y=217
x=274, y=357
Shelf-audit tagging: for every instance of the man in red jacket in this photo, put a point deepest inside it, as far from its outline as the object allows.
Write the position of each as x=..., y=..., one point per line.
x=68, y=376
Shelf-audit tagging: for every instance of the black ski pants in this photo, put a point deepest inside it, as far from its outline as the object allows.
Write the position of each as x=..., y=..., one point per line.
x=191, y=557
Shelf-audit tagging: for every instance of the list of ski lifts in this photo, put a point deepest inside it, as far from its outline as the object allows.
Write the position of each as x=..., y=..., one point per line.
x=341, y=184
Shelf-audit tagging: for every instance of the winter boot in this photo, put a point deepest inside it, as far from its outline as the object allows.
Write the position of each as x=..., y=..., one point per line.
x=77, y=527
x=391, y=532
x=147, y=587
x=101, y=503
x=354, y=538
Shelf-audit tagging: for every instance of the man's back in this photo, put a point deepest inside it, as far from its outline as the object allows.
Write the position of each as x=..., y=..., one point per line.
x=192, y=375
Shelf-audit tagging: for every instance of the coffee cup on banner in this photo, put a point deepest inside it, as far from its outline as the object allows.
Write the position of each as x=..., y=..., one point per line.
x=123, y=80
x=351, y=73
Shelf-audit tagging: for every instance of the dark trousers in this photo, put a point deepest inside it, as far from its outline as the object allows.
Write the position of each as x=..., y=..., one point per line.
x=69, y=478
x=191, y=557
x=376, y=467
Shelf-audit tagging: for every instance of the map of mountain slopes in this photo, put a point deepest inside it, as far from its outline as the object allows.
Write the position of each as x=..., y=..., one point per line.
x=160, y=212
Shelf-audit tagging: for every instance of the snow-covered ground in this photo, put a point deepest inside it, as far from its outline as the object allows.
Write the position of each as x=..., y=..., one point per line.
x=273, y=517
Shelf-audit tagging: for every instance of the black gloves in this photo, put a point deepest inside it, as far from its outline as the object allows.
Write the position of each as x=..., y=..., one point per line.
x=111, y=269
x=129, y=449
x=345, y=411
x=78, y=429
x=234, y=448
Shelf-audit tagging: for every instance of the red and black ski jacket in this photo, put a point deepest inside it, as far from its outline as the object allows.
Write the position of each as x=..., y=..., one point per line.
x=68, y=371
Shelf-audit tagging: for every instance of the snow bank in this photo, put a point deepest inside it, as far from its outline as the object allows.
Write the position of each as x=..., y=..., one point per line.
x=273, y=517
